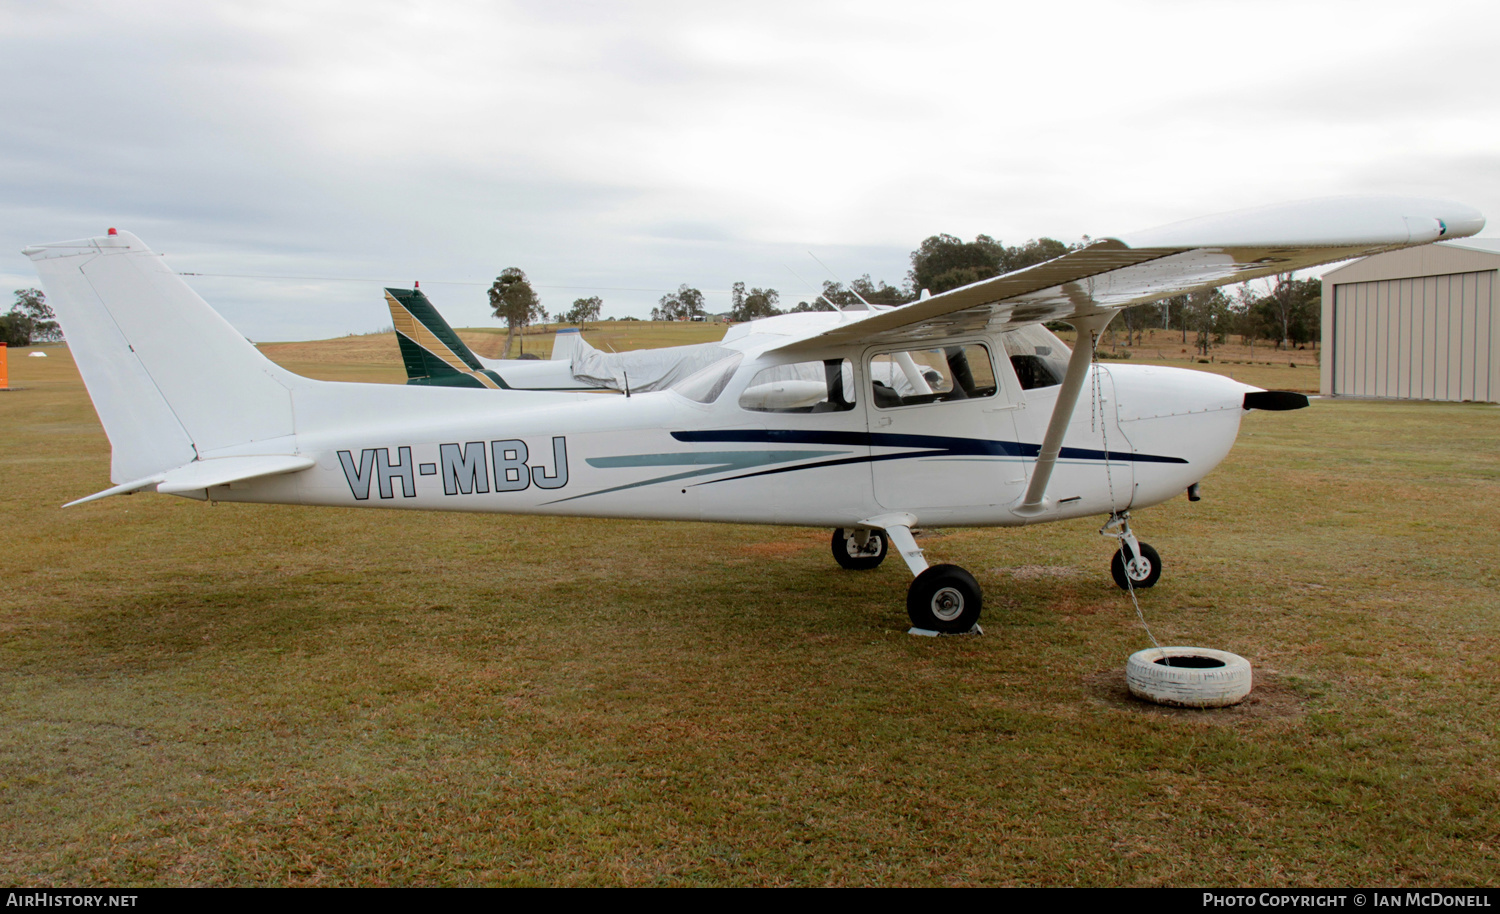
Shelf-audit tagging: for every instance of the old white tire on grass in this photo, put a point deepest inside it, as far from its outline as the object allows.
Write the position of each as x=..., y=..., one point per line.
x=1198, y=677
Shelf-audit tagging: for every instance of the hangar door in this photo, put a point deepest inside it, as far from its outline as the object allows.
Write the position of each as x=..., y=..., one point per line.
x=1424, y=338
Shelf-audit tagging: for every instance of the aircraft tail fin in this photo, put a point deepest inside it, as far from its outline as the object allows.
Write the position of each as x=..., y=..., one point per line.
x=170, y=379
x=432, y=352
x=567, y=343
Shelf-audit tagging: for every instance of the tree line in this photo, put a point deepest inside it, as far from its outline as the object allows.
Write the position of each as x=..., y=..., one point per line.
x=1281, y=310
x=942, y=262
x=1287, y=311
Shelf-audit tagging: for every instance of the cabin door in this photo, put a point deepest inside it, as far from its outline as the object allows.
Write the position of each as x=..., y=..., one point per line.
x=941, y=426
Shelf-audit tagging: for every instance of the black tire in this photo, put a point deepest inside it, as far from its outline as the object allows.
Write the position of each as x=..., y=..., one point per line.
x=1153, y=570
x=848, y=555
x=944, y=598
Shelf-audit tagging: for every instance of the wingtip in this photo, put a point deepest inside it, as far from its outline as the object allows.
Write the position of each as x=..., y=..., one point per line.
x=1359, y=221
x=1461, y=222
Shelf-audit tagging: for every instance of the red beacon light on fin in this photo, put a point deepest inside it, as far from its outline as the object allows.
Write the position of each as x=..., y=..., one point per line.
x=113, y=232
x=416, y=284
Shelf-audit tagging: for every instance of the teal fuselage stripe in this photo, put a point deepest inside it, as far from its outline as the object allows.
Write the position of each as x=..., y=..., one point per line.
x=705, y=461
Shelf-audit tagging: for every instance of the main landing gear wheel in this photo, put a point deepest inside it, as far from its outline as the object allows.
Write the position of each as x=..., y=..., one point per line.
x=944, y=598
x=848, y=553
x=1141, y=573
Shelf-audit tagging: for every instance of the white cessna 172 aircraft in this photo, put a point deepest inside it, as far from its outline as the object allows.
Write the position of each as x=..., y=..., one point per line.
x=956, y=410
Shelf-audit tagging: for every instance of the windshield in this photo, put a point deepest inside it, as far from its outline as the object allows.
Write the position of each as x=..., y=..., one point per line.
x=705, y=384
x=1039, y=358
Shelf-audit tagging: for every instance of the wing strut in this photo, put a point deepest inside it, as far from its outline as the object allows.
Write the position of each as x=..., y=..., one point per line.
x=1089, y=327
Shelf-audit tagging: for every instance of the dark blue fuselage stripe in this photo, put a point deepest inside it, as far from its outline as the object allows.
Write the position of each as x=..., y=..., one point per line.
x=821, y=463
x=934, y=445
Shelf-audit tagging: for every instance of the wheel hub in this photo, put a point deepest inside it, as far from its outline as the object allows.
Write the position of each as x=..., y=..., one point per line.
x=947, y=604
x=1139, y=569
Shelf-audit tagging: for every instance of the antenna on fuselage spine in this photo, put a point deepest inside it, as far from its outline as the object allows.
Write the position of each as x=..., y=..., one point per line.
x=831, y=304
x=868, y=306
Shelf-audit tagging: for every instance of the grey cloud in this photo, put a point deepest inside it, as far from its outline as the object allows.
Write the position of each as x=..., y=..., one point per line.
x=642, y=146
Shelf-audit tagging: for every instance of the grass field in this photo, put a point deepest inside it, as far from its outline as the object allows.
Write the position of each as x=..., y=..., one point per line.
x=255, y=695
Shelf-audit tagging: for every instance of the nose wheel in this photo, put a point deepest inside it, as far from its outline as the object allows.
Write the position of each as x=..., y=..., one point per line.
x=1135, y=565
x=1139, y=573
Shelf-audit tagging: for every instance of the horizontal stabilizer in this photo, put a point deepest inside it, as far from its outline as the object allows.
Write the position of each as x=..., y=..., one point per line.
x=124, y=488
x=205, y=474
x=221, y=471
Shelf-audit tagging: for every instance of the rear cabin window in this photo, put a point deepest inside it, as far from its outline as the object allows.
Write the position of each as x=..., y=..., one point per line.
x=936, y=375
x=802, y=387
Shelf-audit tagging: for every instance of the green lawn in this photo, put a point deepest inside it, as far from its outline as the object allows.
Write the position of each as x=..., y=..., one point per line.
x=254, y=695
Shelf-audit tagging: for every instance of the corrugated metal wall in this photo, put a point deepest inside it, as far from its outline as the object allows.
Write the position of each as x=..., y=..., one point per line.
x=1426, y=338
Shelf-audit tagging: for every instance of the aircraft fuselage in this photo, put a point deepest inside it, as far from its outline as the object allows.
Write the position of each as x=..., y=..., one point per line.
x=1139, y=436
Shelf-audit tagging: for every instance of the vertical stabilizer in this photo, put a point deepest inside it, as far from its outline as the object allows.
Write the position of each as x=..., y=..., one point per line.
x=170, y=378
x=566, y=343
x=430, y=350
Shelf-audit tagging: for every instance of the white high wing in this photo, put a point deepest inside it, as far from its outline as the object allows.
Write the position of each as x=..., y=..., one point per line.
x=957, y=410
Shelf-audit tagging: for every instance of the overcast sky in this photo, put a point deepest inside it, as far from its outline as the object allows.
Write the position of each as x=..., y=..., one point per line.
x=621, y=149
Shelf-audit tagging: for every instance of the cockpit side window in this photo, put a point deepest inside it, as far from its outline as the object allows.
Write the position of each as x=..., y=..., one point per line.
x=802, y=387
x=939, y=375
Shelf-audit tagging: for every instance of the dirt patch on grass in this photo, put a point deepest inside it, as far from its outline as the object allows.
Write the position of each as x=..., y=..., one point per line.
x=1269, y=698
x=1041, y=572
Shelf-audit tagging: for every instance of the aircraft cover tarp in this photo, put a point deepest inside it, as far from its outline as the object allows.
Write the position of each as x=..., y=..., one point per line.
x=642, y=370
